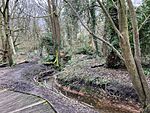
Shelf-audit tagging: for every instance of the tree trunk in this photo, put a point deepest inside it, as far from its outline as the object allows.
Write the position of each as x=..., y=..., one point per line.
x=55, y=29
x=93, y=23
x=6, y=33
x=137, y=57
x=133, y=66
x=104, y=46
x=1, y=35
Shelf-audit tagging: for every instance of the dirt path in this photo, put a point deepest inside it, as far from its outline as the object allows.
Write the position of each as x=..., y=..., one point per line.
x=20, y=79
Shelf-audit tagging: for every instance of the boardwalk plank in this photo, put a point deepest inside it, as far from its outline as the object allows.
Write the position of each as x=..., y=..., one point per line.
x=14, y=102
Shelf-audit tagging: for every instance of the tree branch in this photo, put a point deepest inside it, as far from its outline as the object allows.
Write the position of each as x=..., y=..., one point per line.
x=114, y=4
x=6, y=6
x=106, y=42
x=1, y=10
x=134, y=23
x=144, y=22
x=137, y=53
x=110, y=19
x=44, y=16
x=15, y=5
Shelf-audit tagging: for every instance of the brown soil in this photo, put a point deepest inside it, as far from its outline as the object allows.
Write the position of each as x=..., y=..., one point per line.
x=107, y=88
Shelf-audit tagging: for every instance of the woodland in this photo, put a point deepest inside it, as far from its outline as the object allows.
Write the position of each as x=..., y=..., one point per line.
x=74, y=56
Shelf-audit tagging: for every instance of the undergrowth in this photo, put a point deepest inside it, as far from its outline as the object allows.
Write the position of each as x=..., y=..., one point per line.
x=147, y=71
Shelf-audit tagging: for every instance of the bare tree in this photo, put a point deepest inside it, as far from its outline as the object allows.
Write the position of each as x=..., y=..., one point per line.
x=55, y=29
x=4, y=10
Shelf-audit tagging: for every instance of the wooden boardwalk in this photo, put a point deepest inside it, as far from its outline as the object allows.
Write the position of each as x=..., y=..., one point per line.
x=14, y=102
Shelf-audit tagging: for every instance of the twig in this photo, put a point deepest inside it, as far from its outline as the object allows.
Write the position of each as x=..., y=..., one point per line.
x=45, y=16
x=144, y=22
x=6, y=6
x=114, y=4
x=110, y=19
